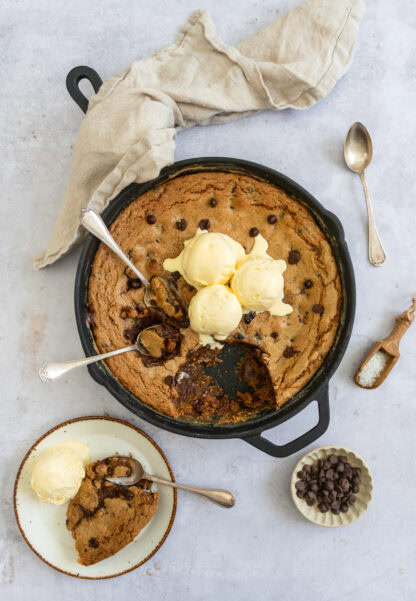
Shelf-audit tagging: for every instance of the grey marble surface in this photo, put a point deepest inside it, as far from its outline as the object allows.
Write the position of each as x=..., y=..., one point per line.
x=262, y=548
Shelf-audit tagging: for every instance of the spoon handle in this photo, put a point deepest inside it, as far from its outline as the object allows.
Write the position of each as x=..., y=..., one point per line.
x=52, y=371
x=376, y=254
x=92, y=222
x=220, y=497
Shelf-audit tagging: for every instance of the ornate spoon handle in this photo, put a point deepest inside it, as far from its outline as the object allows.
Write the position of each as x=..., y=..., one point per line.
x=220, y=497
x=52, y=371
x=376, y=253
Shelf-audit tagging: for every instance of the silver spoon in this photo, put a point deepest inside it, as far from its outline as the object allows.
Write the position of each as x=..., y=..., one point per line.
x=358, y=152
x=92, y=222
x=220, y=497
x=49, y=372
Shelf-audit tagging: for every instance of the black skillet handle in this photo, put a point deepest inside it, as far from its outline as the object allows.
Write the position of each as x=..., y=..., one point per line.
x=275, y=450
x=72, y=84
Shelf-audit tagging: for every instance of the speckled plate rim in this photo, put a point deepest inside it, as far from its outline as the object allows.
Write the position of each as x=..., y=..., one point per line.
x=92, y=418
x=300, y=505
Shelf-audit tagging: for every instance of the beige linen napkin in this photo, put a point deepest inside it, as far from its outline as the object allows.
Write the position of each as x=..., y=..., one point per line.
x=128, y=134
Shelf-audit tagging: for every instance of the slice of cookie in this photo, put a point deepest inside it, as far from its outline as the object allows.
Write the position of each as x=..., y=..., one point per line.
x=104, y=517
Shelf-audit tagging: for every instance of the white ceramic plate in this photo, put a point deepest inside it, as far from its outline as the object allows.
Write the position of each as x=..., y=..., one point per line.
x=43, y=525
x=328, y=519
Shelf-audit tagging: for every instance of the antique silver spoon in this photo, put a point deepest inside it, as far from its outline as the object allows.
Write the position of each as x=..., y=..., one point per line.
x=92, y=222
x=49, y=372
x=220, y=497
x=358, y=151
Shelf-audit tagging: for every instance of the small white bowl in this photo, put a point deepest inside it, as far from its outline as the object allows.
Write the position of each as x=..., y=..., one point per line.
x=328, y=519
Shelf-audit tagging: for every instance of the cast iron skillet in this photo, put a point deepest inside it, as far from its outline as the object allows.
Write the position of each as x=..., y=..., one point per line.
x=316, y=389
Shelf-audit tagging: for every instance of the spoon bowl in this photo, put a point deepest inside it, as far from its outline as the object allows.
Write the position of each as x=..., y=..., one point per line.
x=358, y=148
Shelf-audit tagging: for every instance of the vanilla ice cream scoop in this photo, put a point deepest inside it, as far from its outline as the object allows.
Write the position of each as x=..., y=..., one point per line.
x=207, y=258
x=258, y=282
x=214, y=312
x=58, y=472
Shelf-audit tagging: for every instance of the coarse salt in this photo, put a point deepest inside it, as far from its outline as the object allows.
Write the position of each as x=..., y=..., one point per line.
x=373, y=369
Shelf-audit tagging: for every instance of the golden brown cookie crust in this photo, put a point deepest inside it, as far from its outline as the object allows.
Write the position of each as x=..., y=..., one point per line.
x=293, y=347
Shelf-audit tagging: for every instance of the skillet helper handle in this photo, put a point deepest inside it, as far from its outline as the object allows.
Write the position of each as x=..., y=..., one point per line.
x=72, y=84
x=299, y=443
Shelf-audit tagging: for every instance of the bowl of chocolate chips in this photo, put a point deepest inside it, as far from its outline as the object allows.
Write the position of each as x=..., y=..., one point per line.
x=331, y=486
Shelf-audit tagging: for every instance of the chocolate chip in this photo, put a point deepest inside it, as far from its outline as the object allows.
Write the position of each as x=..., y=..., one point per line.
x=300, y=485
x=93, y=542
x=318, y=309
x=239, y=336
x=213, y=202
x=181, y=225
x=90, y=316
x=274, y=335
x=342, y=459
x=333, y=495
x=355, y=489
x=254, y=232
x=175, y=275
x=289, y=352
x=308, y=284
x=323, y=507
x=204, y=224
x=294, y=257
x=134, y=284
x=345, y=484
x=333, y=459
x=248, y=317
x=300, y=494
x=151, y=219
x=128, y=494
x=344, y=508
x=272, y=219
x=169, y=380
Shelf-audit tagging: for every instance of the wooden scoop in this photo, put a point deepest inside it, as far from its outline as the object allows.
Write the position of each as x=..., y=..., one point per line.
x=385, y=353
